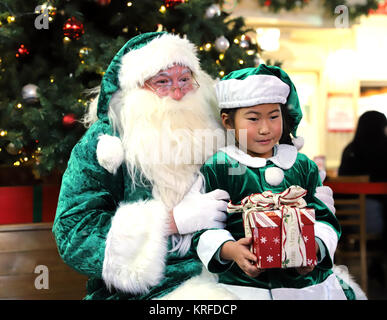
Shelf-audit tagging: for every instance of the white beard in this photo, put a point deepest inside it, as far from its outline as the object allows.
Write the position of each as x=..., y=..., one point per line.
x=163, y=138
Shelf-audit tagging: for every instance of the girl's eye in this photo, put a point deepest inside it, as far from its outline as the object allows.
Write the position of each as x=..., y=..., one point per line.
x=274, y=117
x=252, y=119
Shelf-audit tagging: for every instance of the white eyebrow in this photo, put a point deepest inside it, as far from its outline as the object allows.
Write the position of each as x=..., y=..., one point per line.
x=166, y=74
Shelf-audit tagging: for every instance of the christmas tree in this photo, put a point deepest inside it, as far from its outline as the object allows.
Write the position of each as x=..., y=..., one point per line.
x=51, y=52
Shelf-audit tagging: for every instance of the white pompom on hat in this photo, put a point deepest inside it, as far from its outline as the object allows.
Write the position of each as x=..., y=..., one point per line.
x=110, y=152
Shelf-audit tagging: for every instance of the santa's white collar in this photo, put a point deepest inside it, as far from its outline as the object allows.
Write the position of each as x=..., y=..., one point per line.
x=284, y=156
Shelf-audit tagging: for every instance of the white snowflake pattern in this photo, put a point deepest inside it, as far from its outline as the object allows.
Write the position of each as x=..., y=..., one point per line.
x=306, y=239
x=263, y=240
x=276, y=240
x=310, y=262
x=269, y=258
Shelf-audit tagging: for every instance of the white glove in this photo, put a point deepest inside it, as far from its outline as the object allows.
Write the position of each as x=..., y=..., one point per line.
x=325, y=194
x=199, y=211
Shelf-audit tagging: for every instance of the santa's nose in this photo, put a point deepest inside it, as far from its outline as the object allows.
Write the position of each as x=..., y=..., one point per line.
x=176, y=94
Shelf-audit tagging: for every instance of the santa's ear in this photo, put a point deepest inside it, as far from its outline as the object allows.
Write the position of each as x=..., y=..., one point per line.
x=110, y=153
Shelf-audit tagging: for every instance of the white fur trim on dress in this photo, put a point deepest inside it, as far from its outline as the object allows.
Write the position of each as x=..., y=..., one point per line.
x=202, y=287
x=110, y=153
x=343, y=272
x=136, y=246
x=161, y=53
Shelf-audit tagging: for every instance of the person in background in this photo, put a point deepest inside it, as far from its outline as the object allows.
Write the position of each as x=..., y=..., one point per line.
x=366, y=155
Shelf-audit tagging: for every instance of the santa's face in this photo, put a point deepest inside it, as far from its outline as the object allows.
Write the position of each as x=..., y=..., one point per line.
x=174, y=82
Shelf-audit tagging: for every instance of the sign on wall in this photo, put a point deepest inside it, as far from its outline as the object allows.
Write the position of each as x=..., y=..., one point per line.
x=340, y=113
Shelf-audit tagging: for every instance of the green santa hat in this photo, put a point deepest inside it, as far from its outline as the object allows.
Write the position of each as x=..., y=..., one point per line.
x=138, y=60
x=264, y=84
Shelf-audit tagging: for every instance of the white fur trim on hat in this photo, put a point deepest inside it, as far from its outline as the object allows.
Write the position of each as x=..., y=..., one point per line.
x=110, y=153
x=161, y=53
x=253, y=90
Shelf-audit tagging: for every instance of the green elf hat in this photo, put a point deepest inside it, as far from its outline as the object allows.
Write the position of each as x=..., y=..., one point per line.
x=264, y=84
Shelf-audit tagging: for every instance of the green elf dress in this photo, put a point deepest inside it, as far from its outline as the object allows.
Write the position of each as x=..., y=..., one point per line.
x=106, y=227
x=241, y=175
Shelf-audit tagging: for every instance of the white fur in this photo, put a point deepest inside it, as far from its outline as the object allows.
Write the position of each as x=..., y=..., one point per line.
x=136, y=247
x=274, y=176
x=161, y=53
x=250, y=91
x=202, y=287
x=343, y=272
x=298, y=142
x=110, y=153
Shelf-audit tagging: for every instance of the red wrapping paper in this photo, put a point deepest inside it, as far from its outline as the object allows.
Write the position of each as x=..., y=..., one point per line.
x=268, y=241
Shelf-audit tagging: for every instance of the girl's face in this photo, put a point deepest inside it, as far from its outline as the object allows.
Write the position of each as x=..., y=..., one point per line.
x=263, y=124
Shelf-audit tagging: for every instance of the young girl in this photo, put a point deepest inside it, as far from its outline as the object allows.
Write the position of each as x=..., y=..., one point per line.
x=261, y=105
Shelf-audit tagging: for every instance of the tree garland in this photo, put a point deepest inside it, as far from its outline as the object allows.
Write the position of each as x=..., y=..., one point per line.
x=355, y=8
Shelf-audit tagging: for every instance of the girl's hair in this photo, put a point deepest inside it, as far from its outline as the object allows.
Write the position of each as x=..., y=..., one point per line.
x=287, y=122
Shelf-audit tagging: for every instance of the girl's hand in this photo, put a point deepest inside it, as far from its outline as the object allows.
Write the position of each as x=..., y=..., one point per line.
x=239, y=252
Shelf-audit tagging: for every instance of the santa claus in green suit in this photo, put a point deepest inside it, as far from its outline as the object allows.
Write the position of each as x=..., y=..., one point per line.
x=128, y=204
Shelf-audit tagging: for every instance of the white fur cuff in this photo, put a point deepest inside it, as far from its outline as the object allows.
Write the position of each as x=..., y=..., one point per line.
x=136, y=246
x=327, y=235
x=110, y=153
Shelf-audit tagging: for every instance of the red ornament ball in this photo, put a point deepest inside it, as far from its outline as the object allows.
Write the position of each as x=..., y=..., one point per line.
x=22, y=51
x=103, y=2
x=73, y=28
x=172, y=3
x=69, y=120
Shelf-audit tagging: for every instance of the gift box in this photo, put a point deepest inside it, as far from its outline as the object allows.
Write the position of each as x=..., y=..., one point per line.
x=28, y=204
x=281, y=226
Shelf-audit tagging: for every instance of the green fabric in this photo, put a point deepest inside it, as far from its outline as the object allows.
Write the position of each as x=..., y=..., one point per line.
x=292, y=103
x=110, y=82
x=88, y=200
x=304, y=173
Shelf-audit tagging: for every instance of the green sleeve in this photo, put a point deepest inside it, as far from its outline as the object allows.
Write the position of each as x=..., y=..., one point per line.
x=88, y=199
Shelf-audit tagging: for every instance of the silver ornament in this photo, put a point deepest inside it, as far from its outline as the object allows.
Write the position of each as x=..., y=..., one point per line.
x=212, y=11
x=244, y=44
x=30, y=93
x=11, y=149
x=222, y=44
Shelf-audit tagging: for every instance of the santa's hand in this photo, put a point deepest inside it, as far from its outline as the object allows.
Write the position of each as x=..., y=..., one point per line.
x=325, y=194
x=199, y=211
